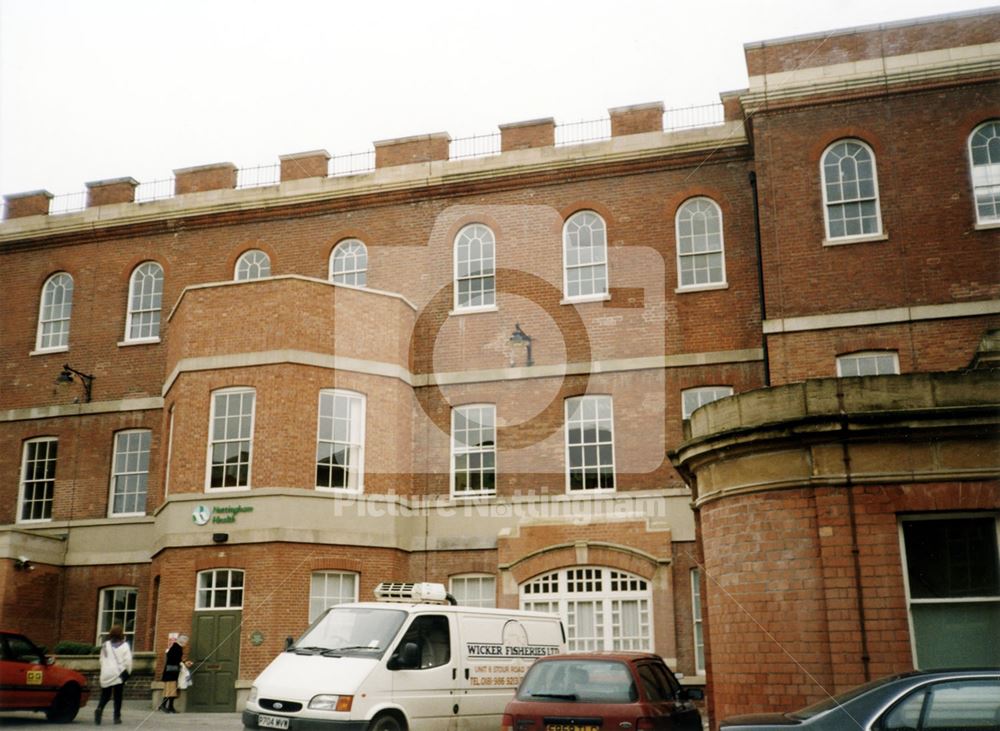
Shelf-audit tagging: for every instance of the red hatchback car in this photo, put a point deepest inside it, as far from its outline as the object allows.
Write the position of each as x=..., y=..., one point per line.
x=30, y=681
x=599, y=691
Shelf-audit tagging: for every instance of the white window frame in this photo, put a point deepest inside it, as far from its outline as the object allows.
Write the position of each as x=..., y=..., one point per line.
x=237, y=391
x=571, y=228
x=252, y=264
x=319, y=603
x=985, y=176
x=698, y=209
x=128, y=471
x=464, y=239
x=864, y=355
x=697, y=623
x=355, y=252
x=114, y=616
x=22, y=489
x=358, y=405
x=229, y=587
x=485, y=597
x=466, y=451
x=147, y=271
x=55, y=318
x=570, y=421
x=827, y=204
x=910, y=601
x=703, y=395
x=554, y=595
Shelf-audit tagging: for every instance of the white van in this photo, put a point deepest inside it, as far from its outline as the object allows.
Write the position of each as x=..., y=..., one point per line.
x=402, y=663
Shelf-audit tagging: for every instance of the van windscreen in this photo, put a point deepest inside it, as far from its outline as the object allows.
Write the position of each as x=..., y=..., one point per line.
x=351, y=631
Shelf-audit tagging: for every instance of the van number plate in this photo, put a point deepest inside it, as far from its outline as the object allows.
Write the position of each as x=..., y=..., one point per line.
x=570, y=727
x=271, y=722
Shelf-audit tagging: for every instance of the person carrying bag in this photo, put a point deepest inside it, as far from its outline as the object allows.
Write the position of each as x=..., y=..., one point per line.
x=116, y=667
x=174, y=670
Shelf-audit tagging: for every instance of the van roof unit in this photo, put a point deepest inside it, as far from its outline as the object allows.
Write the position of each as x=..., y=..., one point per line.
x=425, y=592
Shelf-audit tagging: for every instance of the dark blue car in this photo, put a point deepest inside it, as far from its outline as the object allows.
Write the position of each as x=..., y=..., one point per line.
x=943, y=700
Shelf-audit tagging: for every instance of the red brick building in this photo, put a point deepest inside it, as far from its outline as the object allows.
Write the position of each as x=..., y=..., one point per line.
x=471, y=369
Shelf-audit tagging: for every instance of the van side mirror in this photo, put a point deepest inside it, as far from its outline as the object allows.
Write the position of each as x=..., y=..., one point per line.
x=289, y=643
x=407, y=658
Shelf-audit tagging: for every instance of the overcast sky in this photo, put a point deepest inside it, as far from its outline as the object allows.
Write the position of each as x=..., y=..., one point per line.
x=97, y=89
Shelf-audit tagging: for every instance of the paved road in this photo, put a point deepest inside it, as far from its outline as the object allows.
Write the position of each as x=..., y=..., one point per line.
x=135, y=715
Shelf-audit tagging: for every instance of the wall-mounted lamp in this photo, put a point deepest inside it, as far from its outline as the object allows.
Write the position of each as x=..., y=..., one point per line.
x=67, y=377
x=519, y=337
x=220, y=537
x=23, y=563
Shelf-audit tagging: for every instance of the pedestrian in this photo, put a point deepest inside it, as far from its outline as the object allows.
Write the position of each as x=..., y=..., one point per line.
x=116, y=666
x=172, y=670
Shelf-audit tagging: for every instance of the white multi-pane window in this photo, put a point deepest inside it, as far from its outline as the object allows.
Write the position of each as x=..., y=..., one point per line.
x=329, y=588
x=38, y=479
x=585, y=256
x=694, y=398
x=952, y=572
x=349, y=263
x=145, y=299
x=129, y=472
x=473, y=450
x=874, y=363
x=117, y=606
x=220, y=589
x=340, y=438
x=700, y=254
x=474, y=590
x=603, y=608
x=850, y=191
x=697, y=626
x=231, y=438
x=590, y=458
x=475, y=269
x=984, y=157
x=253, y=264
x=54, y=313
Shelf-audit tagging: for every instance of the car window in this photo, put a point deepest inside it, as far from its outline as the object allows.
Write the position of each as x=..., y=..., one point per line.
x=431, y=635
x=20, y=648
x=653, y=685
x=667, y=679
x=953, y=705
x=588, y=681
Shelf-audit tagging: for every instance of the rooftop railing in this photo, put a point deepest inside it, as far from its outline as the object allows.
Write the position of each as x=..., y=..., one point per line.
x=355, y=163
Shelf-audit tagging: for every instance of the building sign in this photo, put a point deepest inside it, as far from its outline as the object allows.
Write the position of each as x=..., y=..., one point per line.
x=203, y=514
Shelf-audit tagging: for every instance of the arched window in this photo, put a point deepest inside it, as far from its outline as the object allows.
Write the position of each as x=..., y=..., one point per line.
x=253, y=264
x=145, y=298
x=700, y=255
x=585, y=256
x=54, y=312
x=850, y=191
x=603, y=608
x=984, y=156
x=475, y=274
x=349, y=263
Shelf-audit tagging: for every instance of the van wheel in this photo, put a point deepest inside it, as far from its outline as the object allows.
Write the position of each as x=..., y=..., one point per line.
x=387, y=722
x=65, y=706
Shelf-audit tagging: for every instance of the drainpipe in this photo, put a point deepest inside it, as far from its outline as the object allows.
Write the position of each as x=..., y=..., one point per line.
x=760, y=277
x=855, y=550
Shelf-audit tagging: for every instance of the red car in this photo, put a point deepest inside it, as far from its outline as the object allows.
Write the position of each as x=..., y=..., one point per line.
x=602, y=690
x=30, y=681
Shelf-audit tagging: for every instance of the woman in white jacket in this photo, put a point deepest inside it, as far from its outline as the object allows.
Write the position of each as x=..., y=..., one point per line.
x=116, y=666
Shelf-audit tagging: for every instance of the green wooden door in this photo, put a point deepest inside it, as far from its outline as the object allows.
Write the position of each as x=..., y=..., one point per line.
x=215, y=650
